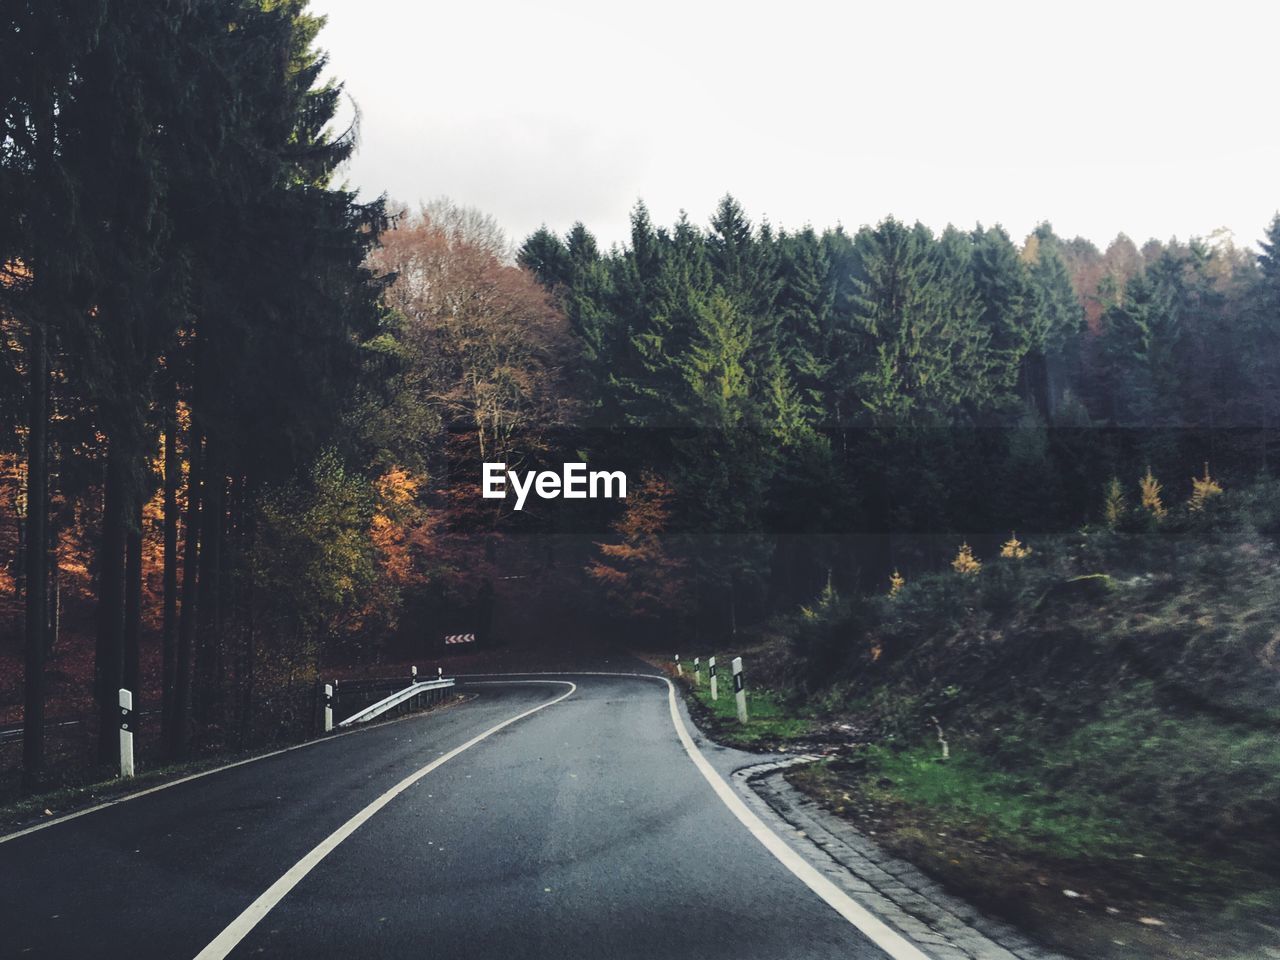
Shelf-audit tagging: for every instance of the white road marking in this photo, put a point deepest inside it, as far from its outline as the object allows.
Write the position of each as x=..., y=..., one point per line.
x=872, y=927
x=203, y=773
x=252, y=915
x=888, y=940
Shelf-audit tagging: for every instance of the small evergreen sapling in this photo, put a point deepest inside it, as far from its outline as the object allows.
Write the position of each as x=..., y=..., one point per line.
x=965, y=562
x=1203, y=489
x=1151, y=501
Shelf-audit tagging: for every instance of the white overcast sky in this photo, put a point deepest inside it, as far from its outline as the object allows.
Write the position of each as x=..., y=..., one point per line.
x=1158, y=119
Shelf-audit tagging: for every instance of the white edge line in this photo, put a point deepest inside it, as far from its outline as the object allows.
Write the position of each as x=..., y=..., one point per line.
x=125, y=798
x=239, y=928
x=876, y=930
x=872, y=927
x=324, y=738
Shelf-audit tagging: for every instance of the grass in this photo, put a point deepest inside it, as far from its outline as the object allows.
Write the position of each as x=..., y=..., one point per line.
x=1015, y=846
x=1022, y=811
x=1111, y=712
x=771, y=719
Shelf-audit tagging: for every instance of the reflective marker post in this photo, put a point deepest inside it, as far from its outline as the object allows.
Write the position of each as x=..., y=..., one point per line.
x=711, y=669
x=328, y=707
x=126, y=733
x=413, y=674
x=697, y=671
x=738, y=692
x=679, y=666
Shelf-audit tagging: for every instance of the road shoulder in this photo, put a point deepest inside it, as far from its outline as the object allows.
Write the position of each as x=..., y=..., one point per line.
x=944, y=926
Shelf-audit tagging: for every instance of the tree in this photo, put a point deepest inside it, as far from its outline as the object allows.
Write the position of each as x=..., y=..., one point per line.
x=42, y=51
x=485, y=342
x=914, y=344
x=640, y=572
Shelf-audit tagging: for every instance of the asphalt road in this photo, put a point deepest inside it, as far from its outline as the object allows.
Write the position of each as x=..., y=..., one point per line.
x=581, y=830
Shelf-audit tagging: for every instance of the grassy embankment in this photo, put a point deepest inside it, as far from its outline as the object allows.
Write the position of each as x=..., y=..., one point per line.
x=1110, y=708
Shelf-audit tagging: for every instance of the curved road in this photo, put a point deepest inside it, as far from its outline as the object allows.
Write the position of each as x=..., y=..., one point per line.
x=581, y=830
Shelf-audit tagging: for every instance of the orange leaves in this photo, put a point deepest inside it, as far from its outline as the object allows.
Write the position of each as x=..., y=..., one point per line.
x=1203, y=489
x=1150, y=489
x=484, y=341
x=1014, y=549
x=397, y=487
x=638, y=571
x=393, y=523
x=965, y=562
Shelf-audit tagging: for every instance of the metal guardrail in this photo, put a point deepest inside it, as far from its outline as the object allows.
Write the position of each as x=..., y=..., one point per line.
x=13, y=734
x=395, y=700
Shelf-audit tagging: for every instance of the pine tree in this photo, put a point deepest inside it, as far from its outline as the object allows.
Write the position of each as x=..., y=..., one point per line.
x=805, y=306
x=914, y=346
x=1150, y=489
x=1055, y=363
x=548, y=258
x=1115, y=507
x=1016, y=330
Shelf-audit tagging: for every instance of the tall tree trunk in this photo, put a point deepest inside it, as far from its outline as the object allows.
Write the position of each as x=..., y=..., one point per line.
x=54, y=596
x=109, y=652
x=187, y=619
x=133, y=601
x=36, y=562
x=169, y=631
x=207, y=693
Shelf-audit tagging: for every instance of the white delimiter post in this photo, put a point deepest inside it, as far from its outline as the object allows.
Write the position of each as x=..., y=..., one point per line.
x=413, y=674
x=697, y=671
x=711, y=670
x=439, y=673
x=679, y=666
x=126, y=733
x=739, y=693
x=328, y=707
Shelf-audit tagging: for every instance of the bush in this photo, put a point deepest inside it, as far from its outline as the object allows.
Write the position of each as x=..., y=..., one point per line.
x=829, y=636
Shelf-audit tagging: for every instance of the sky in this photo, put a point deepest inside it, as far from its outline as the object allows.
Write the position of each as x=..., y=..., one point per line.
x=1156, y=119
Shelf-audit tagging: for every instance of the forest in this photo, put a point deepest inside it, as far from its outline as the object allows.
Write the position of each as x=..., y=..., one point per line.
x=243, y=412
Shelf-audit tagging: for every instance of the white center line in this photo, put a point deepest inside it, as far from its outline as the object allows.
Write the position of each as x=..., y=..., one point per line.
x=239, y=928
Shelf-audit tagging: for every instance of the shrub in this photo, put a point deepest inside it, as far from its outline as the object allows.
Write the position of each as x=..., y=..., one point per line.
x=828, y=636
x=1203, y=490
x=965, y=562
x=1151, y=502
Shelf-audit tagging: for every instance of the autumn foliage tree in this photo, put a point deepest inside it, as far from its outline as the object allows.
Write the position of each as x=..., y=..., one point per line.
x=641, y=573
x=484, y=343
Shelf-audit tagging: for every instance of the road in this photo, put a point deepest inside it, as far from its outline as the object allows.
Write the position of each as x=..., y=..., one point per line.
x=581, y=827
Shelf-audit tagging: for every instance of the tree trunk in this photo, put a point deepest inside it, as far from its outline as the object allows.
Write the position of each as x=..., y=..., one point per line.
x=187, y=618
x=169, y=630
x=207, y=692
x=36, y=563
x=133, y=602
x=109, y=652
x=55, y=582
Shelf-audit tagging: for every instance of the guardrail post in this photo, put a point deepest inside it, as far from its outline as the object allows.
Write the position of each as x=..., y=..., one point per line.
x=711, y=670
x=126, y=733
x=679, y=666
x=697, y=671
x=738, y=692
x=328, y=707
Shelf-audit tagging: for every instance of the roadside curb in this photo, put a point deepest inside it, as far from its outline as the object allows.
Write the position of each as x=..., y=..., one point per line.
x=897, y=892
